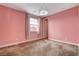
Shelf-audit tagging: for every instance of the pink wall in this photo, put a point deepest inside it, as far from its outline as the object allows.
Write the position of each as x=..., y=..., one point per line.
x=12, y=26
x=78, y=24
x=63, y=26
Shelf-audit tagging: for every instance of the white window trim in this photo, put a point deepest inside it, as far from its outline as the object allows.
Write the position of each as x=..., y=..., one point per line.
x=38, y=22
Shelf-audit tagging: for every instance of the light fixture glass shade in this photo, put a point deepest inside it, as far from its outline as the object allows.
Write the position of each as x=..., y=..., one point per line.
x=43, y=12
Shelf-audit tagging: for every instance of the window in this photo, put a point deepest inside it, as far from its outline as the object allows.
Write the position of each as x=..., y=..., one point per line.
x=34, y=24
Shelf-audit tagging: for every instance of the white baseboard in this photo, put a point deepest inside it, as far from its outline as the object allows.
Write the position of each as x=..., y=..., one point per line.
x=64, y=42
x=16, y=43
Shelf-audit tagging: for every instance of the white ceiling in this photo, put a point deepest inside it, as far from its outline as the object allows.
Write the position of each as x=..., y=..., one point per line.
x=33, y=8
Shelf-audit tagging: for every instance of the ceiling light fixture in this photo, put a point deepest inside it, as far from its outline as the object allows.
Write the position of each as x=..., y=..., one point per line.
x=43, y=12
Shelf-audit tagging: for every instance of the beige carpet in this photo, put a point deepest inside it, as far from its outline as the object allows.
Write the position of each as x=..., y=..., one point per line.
x=40, y=48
